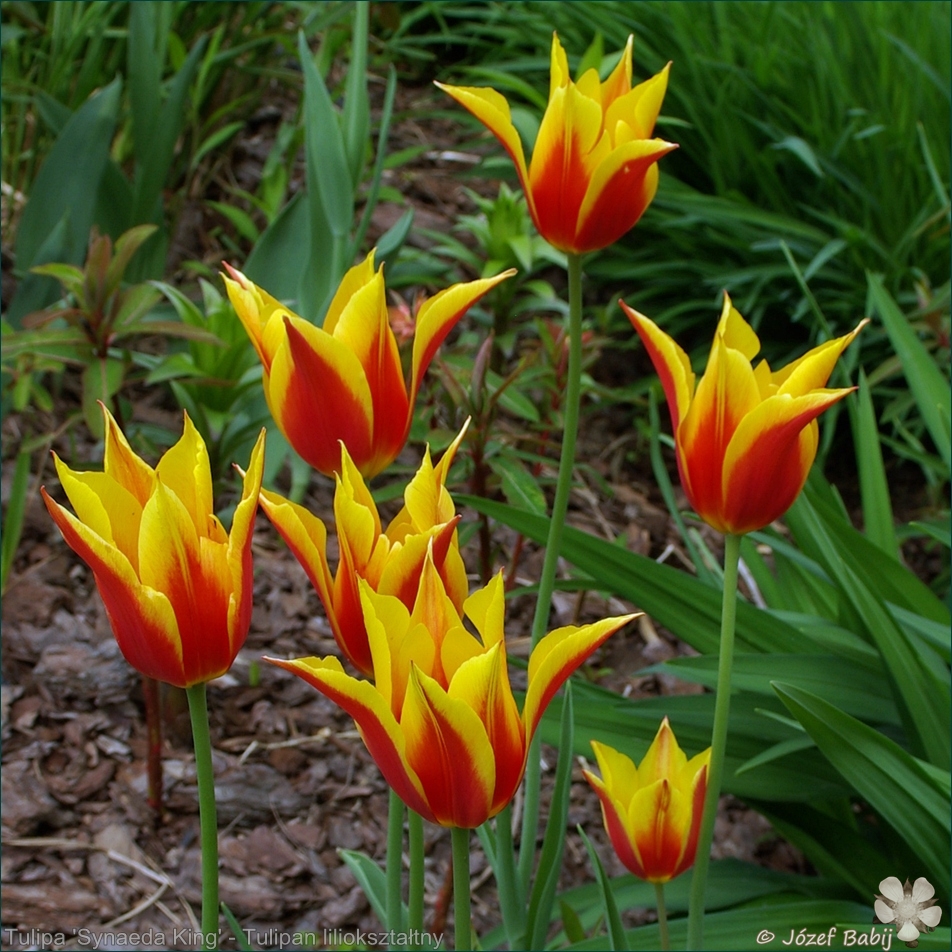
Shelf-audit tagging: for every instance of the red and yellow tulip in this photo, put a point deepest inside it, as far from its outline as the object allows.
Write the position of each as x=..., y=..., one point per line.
x=441, y=720
x=176, y=586
x=389, y=561
x=746, y=436
x=652, y=812
x=594, y=165
x=343, y=382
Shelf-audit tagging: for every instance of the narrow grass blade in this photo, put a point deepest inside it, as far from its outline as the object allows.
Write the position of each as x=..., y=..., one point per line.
x=13, y=518
x=616, y=931
x=874, y=489
x=926, y=381
x=553, y=842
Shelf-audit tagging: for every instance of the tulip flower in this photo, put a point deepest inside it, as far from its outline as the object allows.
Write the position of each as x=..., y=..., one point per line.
x=441, y=721
x=343, y=382
x=652, y=812
x=746, y=436
x=176, y=586
x=594, y=165
x=389, y=561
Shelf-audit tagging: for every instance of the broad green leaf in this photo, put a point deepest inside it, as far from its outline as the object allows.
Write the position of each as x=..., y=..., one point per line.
x=281, y=255
x=862, y=692
x=325, y=147
x=756, y=723
x=63, y=199
x=689, y=608
x=926, y=381
x=155, y=149
x=874, y=490
x=102, y=379
x=519, y=487
x=887, y=777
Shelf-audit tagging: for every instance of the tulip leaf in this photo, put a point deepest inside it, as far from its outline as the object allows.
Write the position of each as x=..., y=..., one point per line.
x=874, y=490
x=862, y=692
x=921, y=692
x=553, y=841
x=281, y=254
x=373, y=881
x=927, y=383
x=518, y=485
x=616, y=932
x=56, y=220
x=836, y=848
x=688, y=607
x=327, y=153
x=756, y=723
x=891, y=780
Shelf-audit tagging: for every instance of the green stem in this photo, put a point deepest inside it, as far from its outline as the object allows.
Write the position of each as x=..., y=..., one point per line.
x=205, y=777
x=415, y=822
x=662, y=917
x=512, y=906
x=395, y=864
x=722, y=705
x=461, y=913
x=573, y=391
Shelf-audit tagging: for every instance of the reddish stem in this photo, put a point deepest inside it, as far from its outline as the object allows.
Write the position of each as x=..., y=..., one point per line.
x=153, y=727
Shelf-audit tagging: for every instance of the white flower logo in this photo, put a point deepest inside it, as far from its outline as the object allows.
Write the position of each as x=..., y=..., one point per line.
x=912, y=908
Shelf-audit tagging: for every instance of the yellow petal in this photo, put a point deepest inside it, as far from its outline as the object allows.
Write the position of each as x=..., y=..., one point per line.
x=319, y=396
x=377, y=725
x=813, y=369
x=142, y=619
x=555, y=657
x=619, y=774
x=619, y=82
x=122, y=464
x=482, y=683
x=356, y=277
x=186, y=471
x=671, y=364
x=486, y=607
x=736, y=332
x=238, y=552
x=663, y=759
x=447, y=747
x=437, y=317
x=619, y=189
x=105, y=506
x=492, y=110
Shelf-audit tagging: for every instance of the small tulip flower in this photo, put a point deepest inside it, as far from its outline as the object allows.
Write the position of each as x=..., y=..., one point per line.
x=652, y=812
x=594, y=165
x=390, y=561
x=176, y=586
x=441, y=720
x=343, y=382
x=745, y=436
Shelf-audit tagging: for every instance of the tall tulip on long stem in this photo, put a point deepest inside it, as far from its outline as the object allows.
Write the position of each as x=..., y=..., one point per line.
x=176, y=586
x=592, y=174
x=745, y=439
